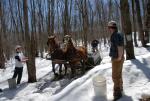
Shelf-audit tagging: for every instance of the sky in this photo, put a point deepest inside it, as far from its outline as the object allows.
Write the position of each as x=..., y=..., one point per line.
x=136, y=76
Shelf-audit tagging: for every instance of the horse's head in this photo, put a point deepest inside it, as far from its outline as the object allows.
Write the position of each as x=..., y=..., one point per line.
x=52, y=44
x=68, y=41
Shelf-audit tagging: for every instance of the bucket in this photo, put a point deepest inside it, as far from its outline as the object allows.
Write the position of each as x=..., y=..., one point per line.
x=12, y=83
x=99, y=84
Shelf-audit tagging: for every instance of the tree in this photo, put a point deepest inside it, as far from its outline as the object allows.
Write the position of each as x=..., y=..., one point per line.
x=2, y=59
x=147, y=17
x=126, y=25
x=82, y=5
x=134, y=24
x=29, y=46
x=144, y=3
x=51, y=16
x=66, y=20
x=140, y=25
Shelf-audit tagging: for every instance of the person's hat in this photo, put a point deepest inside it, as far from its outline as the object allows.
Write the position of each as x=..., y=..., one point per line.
x=51, y=36
x=17, y=47
x=112, y=24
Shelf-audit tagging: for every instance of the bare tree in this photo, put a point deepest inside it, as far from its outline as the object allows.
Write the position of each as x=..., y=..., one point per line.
x=82, y=4
x=101, y=10
x=51, y=16
x=147, y=18
x=134, y=24
x=144, y=3
x=126, y=25
x=66, y=20
x=29, y=46
x=20, y=21
x=140, y=25
x=91, y=21
x=2, y=59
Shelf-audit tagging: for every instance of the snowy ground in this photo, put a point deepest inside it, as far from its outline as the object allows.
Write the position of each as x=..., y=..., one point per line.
x=136, y=76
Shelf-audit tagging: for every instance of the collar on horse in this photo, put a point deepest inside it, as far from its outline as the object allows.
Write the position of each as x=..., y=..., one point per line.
x=52, y=51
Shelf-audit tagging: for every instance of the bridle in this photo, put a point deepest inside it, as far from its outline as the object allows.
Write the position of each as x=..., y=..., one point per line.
x=52, y=47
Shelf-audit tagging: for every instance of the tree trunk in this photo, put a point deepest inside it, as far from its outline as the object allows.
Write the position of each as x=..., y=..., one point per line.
x=51, y=16
x=66, y=21
x=126, y=25
x=144, y=2
x=2, y=59
x=140, y=25
x=85, y=21
x=110, y=16
x=34, y=30
x=134, y=25
x=29, y=46
x=147, y=20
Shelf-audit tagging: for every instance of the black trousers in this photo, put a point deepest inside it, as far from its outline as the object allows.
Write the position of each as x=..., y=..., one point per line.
x=18, y=72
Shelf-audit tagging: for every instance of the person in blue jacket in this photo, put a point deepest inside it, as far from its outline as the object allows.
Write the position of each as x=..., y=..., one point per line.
x=117, y=58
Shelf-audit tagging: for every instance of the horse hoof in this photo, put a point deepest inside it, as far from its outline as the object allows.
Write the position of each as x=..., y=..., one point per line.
x=56, y=74
x=60, y=76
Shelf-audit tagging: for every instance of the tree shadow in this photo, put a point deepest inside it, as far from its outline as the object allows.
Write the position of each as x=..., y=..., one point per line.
x=71, y=88
x=11, y=93
x=98, y=98
x=50, y=80
x=143, y=66
x=124, y=98
x=148, y=48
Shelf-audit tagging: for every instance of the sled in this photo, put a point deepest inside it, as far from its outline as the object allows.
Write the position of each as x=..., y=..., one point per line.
x=94, y=59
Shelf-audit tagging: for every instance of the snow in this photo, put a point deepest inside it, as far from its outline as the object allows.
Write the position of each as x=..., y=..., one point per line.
x=136, y=76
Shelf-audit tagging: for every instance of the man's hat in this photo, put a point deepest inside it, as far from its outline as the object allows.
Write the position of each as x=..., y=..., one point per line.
x=112, y=24
x=17, y=46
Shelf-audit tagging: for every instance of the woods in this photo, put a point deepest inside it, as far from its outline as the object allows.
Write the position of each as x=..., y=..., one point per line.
x=30, y=22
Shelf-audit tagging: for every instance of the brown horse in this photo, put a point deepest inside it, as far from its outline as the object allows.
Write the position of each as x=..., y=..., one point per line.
x=57, y=54
x=75, y=55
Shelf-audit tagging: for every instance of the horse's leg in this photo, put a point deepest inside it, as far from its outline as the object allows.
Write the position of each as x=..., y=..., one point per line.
x=60, y=69
x=83, y=66
x=72, y=71
x=65, y=65
x=53, y=68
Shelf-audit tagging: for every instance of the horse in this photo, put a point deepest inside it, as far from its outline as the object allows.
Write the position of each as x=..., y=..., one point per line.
x=57, y=54
x=75, y=55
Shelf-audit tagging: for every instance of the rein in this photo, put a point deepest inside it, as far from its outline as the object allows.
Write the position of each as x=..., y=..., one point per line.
x=51, y=52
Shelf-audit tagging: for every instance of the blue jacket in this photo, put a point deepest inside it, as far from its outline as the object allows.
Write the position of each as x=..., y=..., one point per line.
x=116, y=40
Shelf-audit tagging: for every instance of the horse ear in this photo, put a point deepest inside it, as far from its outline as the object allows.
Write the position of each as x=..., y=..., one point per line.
x=47, y=43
